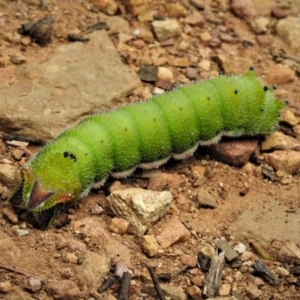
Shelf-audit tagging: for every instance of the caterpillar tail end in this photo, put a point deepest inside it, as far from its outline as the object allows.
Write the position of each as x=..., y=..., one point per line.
x=33, y=197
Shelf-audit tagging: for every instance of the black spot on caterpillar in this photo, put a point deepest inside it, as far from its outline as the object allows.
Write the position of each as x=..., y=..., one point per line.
x=144, y=135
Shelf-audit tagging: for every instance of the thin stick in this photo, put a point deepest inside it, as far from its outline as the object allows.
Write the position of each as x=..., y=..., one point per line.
x=17, y=271
x=125, y=285
x=157, y=287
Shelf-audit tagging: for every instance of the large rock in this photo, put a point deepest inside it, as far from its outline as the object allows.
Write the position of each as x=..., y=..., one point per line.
x=76, y=80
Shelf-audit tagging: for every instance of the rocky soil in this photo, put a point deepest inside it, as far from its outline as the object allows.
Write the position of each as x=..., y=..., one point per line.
x=240, y=197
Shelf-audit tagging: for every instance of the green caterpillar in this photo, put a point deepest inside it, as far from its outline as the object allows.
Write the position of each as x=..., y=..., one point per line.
x=143, y=135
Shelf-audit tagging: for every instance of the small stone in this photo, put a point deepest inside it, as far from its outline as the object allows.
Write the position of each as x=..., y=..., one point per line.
x=225, y=289
x=279, y=13
x=289, y=31
x=149, y=245
x=287, y=161
x=259, y=25
x=21, y=232
x=205, y=37
x=208, y=250
x=165, y=74
x=243, y=9
x=282, y=271
x=18, y=153
x=230, y=254
x=191, y=73
x=194, y=292
x=170, y=291
x=253, y=292
x=9, y=174
x=5, y=287
x=188, y=261
x=172, y=231
x=240, y=248
x=281, y=74
x=10, y=215
x=63, y=290
x=148, y=73
x=164, y=180
x=166, y=29
x=141, y=208
x=118, y=225
x=176, y=10
x=279, y=141
x=264, y=40
x=96, y=209
x=69, y=258
x=179, y=62
x=288, y=117
x=18, y=59
x=34, y=284
x=205, y=199
x=195, y=19
x=198, y=280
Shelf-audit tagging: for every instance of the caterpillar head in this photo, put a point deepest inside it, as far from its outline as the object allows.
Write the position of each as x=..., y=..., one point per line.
x=45, y=187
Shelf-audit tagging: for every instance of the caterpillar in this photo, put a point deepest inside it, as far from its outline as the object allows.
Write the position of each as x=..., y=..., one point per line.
x=145, y=135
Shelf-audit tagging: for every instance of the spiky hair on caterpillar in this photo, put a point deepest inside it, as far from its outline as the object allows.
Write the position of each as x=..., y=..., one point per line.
x=145, y=135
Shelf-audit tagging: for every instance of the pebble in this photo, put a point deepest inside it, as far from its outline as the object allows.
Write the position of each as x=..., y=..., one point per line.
x=9, y=174
x=208, y=250
x=205, y=199
x=225, y=289
x=34, y=284
x=191, y=73
x=288, y=117
x=21, y=232
x=240, y=248
x=260, y=25
x=69, y=258
x=287, y=161
x=18, y=59
x=230, y=254
x=165, y=180
x=176, y=10
x=195, y=19
x=188, y=261
x=5, y=287
x=253, y=292
x=172, y=231
x=166, y=29
x=118, y=225
x=149, y=245
x=141, y=208
x=281, y=74
x=243, y=8
x=194, y=292
x=282, y=271
x=63, y=290
x=96, y=209
x=279, y=13
x=289, y=31
x=148, y=73
x=10, y=215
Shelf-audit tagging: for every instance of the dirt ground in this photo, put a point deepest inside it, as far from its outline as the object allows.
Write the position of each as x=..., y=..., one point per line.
x=41, y=254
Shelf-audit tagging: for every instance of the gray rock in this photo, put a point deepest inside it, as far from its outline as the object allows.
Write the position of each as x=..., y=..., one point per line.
x=75, y=80
x=230, y=254
x=205, y=199
x=141, y=208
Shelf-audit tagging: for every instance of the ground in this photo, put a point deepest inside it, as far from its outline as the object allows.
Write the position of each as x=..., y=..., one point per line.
x=255, y=204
